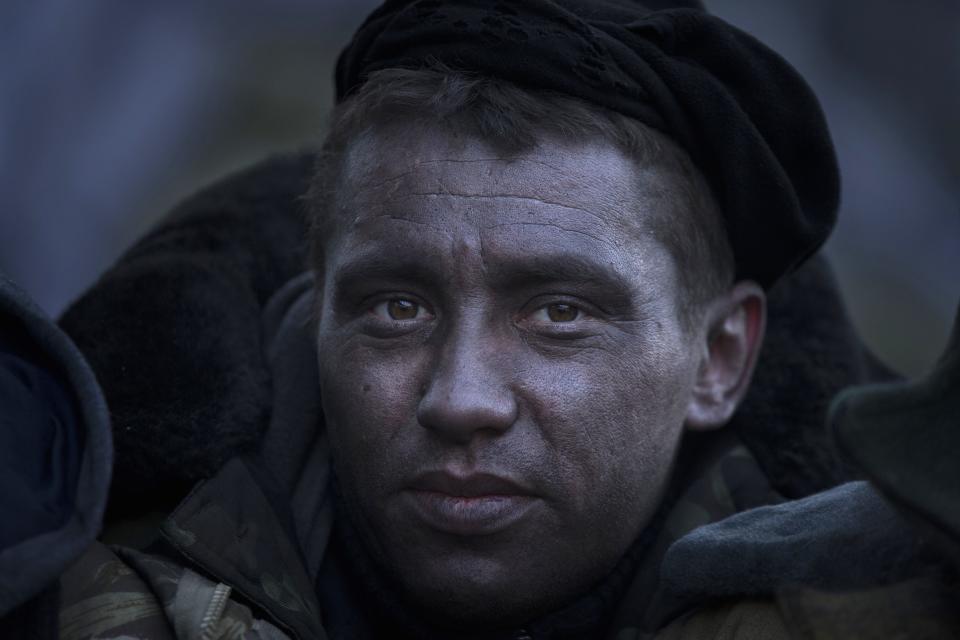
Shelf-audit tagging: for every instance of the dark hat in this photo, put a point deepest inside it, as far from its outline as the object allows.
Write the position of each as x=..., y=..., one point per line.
x=906, y=438
x=746, y=117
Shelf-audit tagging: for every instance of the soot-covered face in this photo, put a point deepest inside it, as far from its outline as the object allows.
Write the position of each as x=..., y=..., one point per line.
x=504, y=373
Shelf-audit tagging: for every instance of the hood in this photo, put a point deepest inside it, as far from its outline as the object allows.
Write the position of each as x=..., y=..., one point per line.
x=846, y=538
x=905, y=437
x=55, y=445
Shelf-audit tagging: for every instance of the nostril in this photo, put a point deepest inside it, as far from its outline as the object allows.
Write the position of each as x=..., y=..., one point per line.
x=468, y=391
x=461, y=412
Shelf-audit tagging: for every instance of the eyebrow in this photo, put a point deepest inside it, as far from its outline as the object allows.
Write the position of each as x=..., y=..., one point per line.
x=510, y=273
x=567, y=268
x=381, y=266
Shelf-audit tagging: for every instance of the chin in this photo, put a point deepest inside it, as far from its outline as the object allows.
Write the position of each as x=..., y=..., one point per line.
x=469, y=590
x=482, y=592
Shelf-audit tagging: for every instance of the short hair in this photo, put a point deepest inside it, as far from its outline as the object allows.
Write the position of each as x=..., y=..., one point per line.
x=514, y=120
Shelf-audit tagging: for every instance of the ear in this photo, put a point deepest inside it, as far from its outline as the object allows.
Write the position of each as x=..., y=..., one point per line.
x=734, y=326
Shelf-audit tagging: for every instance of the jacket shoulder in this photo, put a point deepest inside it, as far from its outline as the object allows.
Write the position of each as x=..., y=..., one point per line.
x=102, y=596
x=923, y=607
x=112, y=592
x=739, y=620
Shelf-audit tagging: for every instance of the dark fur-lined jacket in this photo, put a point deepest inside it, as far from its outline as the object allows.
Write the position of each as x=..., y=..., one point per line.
x=194, y=336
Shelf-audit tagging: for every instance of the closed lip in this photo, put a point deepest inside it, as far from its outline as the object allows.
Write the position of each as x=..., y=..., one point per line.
x=474, y=504
x=471, y=485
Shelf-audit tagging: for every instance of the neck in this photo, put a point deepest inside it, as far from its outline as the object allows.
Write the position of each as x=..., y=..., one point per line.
x=361, y=601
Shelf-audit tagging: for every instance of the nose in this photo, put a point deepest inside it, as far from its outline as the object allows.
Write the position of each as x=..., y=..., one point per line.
x=468, y=393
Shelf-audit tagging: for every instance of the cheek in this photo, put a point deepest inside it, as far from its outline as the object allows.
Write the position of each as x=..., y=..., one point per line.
x=613, y=421
x=370, y=400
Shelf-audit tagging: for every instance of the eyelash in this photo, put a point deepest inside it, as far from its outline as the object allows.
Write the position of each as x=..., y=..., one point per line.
x=390, y=327
x=386, y=301
x=569, y=330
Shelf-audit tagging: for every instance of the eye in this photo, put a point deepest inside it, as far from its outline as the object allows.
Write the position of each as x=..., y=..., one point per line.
x=400, y=309
x=558, y=312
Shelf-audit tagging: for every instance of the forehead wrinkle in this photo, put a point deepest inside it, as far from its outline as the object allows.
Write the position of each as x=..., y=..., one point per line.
x=371, y=184
x=603, y=198
x=551, y=213
x=370, y=141
x=503, y=169
x=510, y=196
x=359, y=222
x=552, y=225
x=572, y=179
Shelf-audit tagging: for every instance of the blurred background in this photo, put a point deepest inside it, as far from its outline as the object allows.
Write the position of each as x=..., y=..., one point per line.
x=111, y=112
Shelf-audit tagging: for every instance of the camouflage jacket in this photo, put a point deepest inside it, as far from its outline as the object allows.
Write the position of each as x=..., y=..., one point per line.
x=229, y=567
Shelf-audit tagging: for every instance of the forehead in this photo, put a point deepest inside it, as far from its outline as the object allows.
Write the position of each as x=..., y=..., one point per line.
x=414, y=159
x=437, y=190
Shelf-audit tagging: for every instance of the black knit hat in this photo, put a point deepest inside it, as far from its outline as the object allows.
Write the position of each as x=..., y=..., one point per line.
x=746, y=117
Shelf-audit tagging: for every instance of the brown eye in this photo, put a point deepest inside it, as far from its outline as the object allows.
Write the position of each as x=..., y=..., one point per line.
x=559, y=312
x=400, y=309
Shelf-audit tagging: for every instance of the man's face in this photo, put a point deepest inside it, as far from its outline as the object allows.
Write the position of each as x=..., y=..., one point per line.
x=503, y=370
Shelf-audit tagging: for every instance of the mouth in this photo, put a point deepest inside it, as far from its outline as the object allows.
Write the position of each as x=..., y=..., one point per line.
x=476, y=504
